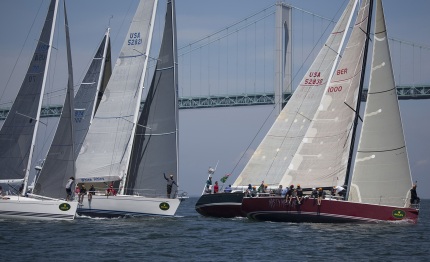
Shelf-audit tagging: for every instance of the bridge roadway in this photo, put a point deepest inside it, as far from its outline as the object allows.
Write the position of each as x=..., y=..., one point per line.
x=403, y=92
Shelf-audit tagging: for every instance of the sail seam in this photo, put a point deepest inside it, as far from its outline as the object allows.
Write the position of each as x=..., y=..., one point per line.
x=379, y=151
x=372, y=93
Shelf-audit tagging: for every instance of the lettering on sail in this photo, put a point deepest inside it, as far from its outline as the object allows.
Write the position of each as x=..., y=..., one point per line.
x=134, y=39
x=314, y=79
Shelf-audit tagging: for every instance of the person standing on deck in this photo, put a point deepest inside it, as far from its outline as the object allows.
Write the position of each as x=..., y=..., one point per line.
x=170, y=183
x=69, y=187
x=414, y=196
x=216, y=188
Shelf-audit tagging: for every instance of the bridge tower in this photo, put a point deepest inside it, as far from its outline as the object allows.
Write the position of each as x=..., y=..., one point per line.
x=283, y=53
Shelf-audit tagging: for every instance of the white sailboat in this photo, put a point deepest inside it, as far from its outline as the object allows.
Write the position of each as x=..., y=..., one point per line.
x=275, y=153
x=379, y=190
x=120, y=148
x=18, y=138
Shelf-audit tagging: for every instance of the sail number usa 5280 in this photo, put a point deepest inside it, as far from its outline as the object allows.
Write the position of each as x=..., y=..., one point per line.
x=134, y=39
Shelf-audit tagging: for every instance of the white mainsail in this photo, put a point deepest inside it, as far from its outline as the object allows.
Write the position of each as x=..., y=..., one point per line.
x=106, y=150
x=273, y=156
x=381, y=172
x=322, y=158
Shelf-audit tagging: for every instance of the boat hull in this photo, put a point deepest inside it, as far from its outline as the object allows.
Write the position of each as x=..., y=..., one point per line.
x=127, y=206
x=220, y=205
x=330, y=211
x=14, y=207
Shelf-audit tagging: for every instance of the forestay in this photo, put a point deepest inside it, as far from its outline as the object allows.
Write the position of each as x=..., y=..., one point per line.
x=106, y=150
x=322, y=158
x=381, y=174
x=273, y=156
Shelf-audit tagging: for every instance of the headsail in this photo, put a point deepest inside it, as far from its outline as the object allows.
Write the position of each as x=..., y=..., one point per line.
x=155, y=148
x=59, y=164
x=322, y=158
x=106, y=149
x=18, y=133
x=273, y=156
x=381, y=173
x=92, y=87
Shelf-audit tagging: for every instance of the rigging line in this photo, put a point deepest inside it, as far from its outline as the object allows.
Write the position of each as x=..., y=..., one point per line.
x=353, y=110
x=258, y=132
x=20, y=52
x=224, y=36
x=226, y=28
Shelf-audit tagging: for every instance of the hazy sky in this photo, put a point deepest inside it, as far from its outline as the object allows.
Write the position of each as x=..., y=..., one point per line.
x=210, y=135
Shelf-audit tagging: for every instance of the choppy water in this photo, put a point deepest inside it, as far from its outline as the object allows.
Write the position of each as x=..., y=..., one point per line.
x=191, y=237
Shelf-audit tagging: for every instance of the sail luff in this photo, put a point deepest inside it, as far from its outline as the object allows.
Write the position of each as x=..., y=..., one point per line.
x=45, y=75
x=273, y=156
x=140, y=91
x=100, y=82
x=175, y=81
x=360, y=92
x=330, y=76
x=71, y=92
x=381, y=172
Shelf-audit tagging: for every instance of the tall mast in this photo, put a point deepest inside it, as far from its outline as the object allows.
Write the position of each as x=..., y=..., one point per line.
x=45, y=74
x=360, y=91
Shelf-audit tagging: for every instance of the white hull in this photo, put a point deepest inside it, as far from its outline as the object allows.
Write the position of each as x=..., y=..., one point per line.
x=35, y=209
x=127, y=206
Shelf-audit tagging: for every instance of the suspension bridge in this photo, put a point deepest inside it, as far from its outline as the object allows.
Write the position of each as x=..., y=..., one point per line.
x=265, y=54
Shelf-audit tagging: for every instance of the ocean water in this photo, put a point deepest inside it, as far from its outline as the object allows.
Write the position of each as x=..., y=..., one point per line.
x=192, y=237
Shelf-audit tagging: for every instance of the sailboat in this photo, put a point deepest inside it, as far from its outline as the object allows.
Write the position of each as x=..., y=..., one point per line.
x=18, y=138
x=73, y=125
x=379, y=189
x=283, y=139
x=133, y=154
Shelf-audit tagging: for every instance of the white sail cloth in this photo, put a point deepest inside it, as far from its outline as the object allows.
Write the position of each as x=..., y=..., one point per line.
x=323, y=155
x=273, y=156
x=106, y=150
x=381, y=173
